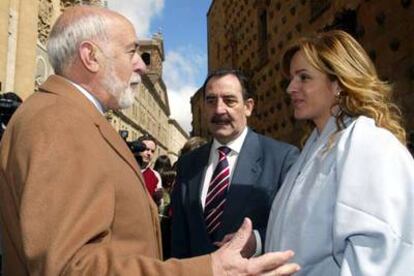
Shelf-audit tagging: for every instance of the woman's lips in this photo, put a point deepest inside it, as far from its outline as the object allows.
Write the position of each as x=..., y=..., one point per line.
x=297, y=102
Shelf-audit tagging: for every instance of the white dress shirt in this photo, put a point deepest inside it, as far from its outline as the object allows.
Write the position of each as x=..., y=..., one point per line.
x=89, y=96
x=232, y=156
x=235, y=147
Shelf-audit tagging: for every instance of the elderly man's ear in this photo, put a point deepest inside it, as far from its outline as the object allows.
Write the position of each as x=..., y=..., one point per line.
x=89, y=54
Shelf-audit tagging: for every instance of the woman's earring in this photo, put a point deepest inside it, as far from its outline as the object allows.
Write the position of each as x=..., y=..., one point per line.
x=338, y=93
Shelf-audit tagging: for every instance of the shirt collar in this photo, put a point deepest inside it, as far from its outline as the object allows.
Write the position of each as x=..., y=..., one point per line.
x=89, y=96
x=234, y=145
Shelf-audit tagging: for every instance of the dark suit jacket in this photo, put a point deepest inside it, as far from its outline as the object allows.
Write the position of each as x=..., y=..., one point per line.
x=73, y=200
x=258, y=174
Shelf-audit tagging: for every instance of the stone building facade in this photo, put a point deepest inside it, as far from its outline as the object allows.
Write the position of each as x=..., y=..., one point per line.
x=199, y=125
x=24, y=28
x=150, y=111
x=251, y=35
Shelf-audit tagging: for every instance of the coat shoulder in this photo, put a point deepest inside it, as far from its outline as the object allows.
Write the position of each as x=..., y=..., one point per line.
x=271, y=144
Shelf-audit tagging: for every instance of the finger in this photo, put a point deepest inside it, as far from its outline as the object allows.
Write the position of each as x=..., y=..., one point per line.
x=268, y=262
x=218, y=244
x=242, y=235
x=227, y=238
x=287, y=269
x=284, y=270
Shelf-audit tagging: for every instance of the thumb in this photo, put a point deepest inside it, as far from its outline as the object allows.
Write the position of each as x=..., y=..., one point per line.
x=242, y=235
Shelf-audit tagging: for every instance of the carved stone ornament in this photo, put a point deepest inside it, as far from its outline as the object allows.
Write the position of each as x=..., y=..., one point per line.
x=95, y=2
x=44, y=22
x=70, y=3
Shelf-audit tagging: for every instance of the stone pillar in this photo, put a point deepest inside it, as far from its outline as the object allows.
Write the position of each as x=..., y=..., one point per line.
x=25, y=65
x=4, y=25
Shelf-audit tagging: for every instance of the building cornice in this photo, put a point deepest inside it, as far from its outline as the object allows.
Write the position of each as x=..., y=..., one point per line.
x=149, y=84
x=131, y=122
x=179, y=128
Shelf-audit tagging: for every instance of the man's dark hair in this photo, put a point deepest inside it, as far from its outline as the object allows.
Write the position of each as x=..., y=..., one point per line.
x=192, y=143
x=146, y=137
x=244, y=82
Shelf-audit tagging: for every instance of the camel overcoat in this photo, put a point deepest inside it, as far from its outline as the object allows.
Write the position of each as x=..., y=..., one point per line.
x=72, y=198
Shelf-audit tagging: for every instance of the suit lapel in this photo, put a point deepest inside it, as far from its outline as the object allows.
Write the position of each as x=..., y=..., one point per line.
x=195, y=184
x=65, y=90
x=246, y=173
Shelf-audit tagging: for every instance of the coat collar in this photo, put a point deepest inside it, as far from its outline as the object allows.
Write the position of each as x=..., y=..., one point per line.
x=63, y=88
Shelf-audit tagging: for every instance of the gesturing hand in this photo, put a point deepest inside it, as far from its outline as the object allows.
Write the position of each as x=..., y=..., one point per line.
x=228, y=260
x=249, y=248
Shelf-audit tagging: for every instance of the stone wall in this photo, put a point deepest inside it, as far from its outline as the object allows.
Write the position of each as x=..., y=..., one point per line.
x=24, y=29
x=252, y=35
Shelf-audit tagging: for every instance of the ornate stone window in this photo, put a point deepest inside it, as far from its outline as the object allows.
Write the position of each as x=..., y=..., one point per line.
x=146, y=57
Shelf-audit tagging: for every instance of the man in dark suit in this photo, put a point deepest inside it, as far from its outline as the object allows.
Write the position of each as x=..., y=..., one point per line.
x=237, y=175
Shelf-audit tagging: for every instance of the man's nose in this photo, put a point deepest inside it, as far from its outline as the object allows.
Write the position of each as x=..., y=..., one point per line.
x=220, y=107
x=139, y=65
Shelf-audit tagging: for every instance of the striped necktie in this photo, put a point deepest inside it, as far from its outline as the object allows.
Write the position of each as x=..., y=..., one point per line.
x=217, y=191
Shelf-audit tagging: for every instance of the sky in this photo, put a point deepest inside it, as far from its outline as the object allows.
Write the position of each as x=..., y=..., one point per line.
x=183, y=24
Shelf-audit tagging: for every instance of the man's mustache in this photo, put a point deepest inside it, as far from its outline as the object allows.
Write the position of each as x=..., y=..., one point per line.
x=217, y=119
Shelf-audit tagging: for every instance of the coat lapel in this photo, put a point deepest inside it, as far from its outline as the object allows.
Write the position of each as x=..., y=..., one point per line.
x=63, y=88
x=246, y=173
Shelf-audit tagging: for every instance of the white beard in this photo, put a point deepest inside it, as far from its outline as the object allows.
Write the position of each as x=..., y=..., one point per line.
x=123, y=93
x=126, y=99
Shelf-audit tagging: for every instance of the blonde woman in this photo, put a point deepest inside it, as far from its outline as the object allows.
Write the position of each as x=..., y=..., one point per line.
x=346, y=206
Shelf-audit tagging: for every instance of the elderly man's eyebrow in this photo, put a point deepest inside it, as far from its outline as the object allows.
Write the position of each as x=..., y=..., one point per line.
x=133, y=45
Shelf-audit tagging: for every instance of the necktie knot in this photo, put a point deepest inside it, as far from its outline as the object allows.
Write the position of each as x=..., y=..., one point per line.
x=224, y=150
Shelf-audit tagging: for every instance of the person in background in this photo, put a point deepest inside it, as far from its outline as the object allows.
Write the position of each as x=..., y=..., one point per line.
x=192, y=143
x=152, y=178
x=73, y=199
x=162, y=166
x=162, y=163
x=346, y=206
x=9, y=102
x=234, y=176
x=168, y=179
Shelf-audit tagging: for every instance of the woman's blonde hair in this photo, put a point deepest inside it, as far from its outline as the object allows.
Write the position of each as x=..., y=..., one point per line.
x=342, y=58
